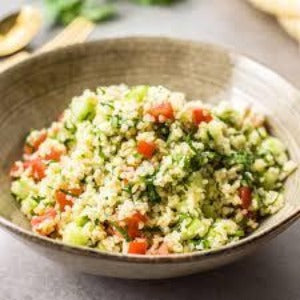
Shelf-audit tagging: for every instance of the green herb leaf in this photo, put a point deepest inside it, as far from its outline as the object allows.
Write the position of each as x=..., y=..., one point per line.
x=154, y=2
x=243, y=158
x=99, y=13
x=65, y=11
x=121, y=230
x=152, y=192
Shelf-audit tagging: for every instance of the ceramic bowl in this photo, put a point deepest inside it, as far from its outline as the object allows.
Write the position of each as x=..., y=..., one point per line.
x=35, y=91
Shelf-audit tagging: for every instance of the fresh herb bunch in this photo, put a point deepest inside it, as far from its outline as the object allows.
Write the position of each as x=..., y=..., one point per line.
x=65, y=11
x=153, y=2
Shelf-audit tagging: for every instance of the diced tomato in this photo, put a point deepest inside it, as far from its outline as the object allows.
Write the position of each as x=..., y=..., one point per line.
x=39, y=140
x=63, y=199
x=141, y=218
x=29, y=149
x=49, y=214
x=133, y=230
x=133, y=224
x=19, y=166
x=164, y=109
x=138, y=247
x=38, y=168
x=75, y=191
x=147, y=149
x=201, y=115
x=54, y=154
x=245, y=194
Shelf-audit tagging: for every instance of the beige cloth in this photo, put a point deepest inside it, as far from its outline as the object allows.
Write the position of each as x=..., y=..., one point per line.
x=286, y=11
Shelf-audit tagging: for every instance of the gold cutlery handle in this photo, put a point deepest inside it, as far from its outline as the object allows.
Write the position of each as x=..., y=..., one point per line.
x=13, y=59
x=76, y=32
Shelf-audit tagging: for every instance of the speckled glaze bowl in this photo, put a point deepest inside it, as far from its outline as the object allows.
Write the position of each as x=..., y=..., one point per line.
x=35, y=91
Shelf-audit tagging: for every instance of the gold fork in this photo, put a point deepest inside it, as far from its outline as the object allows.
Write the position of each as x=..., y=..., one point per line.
x=76, y=32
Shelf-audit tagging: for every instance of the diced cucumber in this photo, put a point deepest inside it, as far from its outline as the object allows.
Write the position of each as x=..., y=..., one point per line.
x=240, y=233
x=209, y=211
x=75, y=235
x=81, y=220
x=84, y=108
x=289, y=167
x=254, y=138
x=185, y=219
x=138, y=93
x=28, y=205
x=238, y=141
x=273, y=145
x=192, y=230
x=216, y=130
x=205, y=244
x=101, y=247
x=270, y=177
x=227, y=114
x=196, y=228
x=259, y=165
x=270, y=197
x=262, y=132
x=22, y=187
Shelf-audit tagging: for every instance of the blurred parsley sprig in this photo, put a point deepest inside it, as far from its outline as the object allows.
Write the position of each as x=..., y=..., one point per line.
x=65, y=11
x=154, y=2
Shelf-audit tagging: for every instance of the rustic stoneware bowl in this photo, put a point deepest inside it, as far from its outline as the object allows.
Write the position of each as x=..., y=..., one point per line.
x=34, y=92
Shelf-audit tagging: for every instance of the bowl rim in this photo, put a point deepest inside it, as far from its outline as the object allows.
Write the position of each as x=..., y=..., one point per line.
x=150, y=259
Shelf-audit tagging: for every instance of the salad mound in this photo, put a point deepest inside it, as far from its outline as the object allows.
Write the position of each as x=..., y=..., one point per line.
x=143, y=171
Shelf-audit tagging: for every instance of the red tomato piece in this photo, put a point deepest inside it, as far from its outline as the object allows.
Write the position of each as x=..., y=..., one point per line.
x=245, y=194
x=138, y=247
x=133, y=229
x=54, y=154
x=133, y=224
x=63, y=199
x=39, y=140
x=147, y=149
x=164, y=109
x=138, y=217
x=49, y=214
x=38, y=168
x=75, y=191
x=201, y=115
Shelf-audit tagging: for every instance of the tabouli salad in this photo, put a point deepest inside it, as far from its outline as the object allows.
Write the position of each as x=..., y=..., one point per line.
x=143, y=171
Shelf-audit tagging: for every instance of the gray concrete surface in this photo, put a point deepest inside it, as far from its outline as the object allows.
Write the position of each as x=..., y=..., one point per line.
x=272, y=272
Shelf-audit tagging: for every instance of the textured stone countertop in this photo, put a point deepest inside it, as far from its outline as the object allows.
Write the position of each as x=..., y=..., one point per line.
x=272, y=272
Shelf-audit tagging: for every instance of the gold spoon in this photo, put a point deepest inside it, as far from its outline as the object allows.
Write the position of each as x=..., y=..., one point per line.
x=18, y=29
